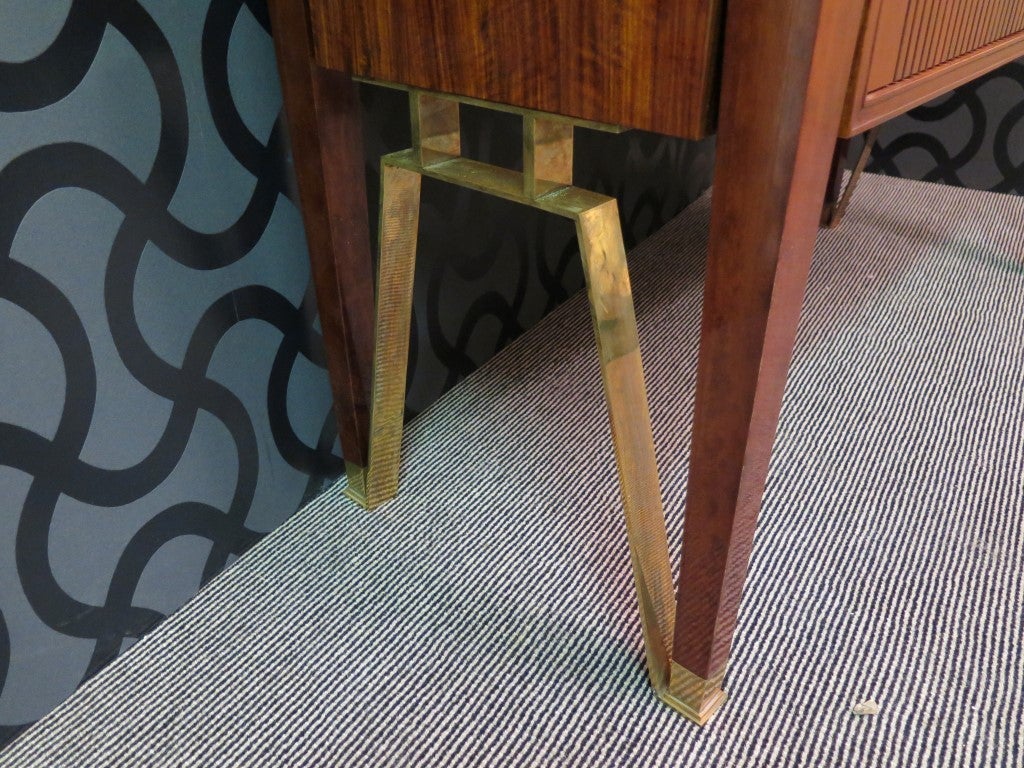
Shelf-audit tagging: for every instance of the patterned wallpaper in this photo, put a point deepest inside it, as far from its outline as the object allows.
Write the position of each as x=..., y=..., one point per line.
x=163, y=399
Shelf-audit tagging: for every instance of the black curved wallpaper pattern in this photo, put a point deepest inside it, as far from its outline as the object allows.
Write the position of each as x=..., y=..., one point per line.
x=163, y=397
x=157, y=336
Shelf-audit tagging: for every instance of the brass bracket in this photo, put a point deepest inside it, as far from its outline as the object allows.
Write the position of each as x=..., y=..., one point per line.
x=545, y=184
x=692, y=696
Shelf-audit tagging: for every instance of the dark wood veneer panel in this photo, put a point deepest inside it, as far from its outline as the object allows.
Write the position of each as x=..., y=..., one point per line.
x=649, y=64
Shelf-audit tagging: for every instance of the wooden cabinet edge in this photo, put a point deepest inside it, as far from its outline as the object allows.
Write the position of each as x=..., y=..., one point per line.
x=333, y=50
x=862, y=64
x=867, y=110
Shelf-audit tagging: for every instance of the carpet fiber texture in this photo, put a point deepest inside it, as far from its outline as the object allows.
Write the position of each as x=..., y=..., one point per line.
x=487, y=616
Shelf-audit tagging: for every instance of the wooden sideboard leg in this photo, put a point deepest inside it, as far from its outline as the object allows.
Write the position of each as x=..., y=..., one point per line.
x=834, y=186
x=835, y=206
x=785, y=71
x=327, y=144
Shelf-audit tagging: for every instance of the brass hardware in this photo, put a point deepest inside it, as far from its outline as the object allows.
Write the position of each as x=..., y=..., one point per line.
x=399, y=222
x=435, y=127
x=545, y=184
x=692, y=696
x=611, y=307
x=838, y=210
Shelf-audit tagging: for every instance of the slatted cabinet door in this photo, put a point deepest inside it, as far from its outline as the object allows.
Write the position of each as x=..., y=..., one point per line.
x=913, y=50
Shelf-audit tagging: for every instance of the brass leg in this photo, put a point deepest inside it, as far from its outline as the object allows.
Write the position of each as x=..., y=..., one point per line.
x=611, y=306
x=545, y=184
x=399, y=220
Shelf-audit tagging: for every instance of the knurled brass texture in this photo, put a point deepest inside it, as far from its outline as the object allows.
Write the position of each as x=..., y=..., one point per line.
x=399, y=220
x=693, y=696
x=546, y=184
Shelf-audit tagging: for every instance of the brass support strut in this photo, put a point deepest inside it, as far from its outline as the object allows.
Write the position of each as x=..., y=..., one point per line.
x=545, y=184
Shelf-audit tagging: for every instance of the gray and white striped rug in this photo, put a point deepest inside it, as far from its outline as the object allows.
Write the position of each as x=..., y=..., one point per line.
x=487, y=616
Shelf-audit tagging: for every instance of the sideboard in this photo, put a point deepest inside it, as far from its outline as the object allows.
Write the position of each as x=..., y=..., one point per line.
x=779, y=83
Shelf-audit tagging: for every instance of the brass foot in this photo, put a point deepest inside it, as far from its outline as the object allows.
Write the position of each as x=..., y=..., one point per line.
x=692, y=696
x=356, y=489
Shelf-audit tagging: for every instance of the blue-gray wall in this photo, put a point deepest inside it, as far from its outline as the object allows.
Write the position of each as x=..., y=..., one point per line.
x=162, y=396
x=163, y=400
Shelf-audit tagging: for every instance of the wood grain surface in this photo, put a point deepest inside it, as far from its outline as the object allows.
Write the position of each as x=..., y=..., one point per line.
x=325, y=127
x=648, y=64
x=937, y=31
x=775, y=147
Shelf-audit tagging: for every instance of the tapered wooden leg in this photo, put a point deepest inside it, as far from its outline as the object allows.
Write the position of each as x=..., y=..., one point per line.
x=785, y=71
x=837, y=198
x=834, y=186
x=327, y=145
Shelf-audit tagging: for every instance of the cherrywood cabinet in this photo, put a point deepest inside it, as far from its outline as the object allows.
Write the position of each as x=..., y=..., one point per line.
x=913, y=50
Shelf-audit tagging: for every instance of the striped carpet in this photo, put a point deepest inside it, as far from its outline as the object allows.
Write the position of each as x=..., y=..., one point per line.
x=487, y=616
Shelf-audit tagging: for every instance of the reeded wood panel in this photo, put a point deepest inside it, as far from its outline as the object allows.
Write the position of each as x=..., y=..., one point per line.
x=914, y=50
x=938, y=31
x=648, y=64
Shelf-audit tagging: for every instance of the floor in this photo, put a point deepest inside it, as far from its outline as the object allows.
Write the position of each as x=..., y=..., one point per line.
x=487, y=616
